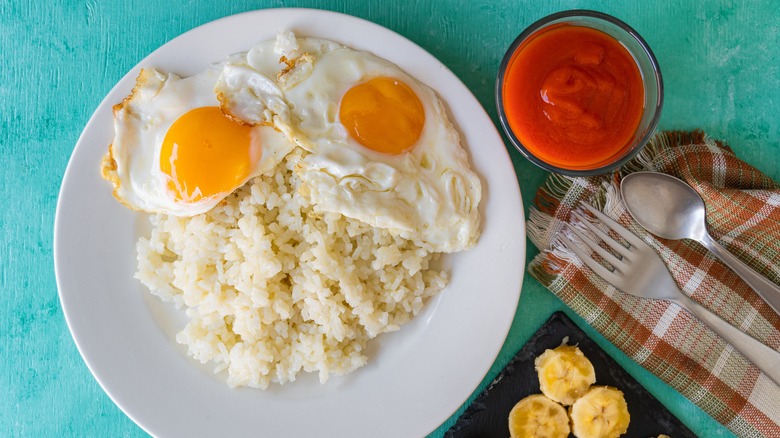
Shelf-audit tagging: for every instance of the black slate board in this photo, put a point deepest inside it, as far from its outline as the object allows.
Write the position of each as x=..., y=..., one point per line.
x=488, y=415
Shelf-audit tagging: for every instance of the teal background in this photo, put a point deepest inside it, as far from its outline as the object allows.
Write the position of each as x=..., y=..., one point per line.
x=720, y=63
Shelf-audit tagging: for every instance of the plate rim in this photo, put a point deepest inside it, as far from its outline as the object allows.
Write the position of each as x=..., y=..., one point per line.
x=59, y=227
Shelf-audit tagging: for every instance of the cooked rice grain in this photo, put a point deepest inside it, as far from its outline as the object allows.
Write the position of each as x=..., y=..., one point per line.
x=272, y=287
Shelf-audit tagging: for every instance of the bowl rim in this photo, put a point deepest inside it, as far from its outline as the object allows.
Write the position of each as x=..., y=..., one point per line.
x=575, y=13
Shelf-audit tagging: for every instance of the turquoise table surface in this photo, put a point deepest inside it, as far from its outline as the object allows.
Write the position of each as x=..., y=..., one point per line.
x=721, y=67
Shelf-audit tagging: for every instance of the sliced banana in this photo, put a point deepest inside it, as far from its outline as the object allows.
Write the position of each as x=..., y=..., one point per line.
x=601, y=413
x=536, y=416
x=565, y=374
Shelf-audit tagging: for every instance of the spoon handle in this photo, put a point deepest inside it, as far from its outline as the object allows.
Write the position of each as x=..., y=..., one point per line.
x=769, y=291
x=763, y=357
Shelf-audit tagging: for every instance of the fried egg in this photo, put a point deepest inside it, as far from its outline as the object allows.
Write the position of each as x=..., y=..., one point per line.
x=383, y=149
x=175, y=152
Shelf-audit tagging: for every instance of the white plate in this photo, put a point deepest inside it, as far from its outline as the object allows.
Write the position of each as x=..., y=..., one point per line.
x=415, y=379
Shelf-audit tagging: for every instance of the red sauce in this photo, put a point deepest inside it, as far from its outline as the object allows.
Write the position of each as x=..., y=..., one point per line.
x=573, y=96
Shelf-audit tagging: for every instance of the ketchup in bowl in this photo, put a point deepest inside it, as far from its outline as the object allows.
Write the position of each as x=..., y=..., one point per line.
x=573, y=95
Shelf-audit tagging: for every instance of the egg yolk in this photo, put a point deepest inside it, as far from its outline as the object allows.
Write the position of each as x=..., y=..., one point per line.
x=205, y=154
x=383, y=114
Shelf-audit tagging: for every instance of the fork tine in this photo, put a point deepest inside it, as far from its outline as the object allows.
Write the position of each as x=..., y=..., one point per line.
x=614, y=226
x=606, y=255
x=600, y=270
x=609, y=240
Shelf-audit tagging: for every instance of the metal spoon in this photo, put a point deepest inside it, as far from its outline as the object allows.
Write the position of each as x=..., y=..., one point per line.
x=671, y=209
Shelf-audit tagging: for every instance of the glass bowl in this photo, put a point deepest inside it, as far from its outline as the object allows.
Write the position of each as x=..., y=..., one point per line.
x=642, y=56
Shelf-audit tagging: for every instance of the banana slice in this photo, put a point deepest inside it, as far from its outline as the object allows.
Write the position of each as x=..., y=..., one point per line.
x=536, y=416
x=601, y=413
x=565, y=374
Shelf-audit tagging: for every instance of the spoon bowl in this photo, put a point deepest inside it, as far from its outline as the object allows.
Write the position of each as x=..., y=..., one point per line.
x=664, y=205
x=671, y=209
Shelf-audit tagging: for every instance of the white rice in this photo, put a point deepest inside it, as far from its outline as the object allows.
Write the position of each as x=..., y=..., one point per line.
x=272, y=287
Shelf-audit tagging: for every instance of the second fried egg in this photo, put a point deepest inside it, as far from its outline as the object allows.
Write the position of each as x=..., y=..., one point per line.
x=382, y=148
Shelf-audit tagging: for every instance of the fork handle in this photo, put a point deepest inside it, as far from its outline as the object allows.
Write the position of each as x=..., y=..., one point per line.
x=763, y=357
x=767, y=290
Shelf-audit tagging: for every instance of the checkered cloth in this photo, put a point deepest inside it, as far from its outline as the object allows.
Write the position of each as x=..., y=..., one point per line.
x=743, y=213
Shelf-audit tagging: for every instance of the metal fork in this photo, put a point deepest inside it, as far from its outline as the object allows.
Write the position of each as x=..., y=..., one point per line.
x=640, y=272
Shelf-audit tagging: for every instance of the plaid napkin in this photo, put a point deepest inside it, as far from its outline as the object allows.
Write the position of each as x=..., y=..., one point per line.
x=743, y=213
